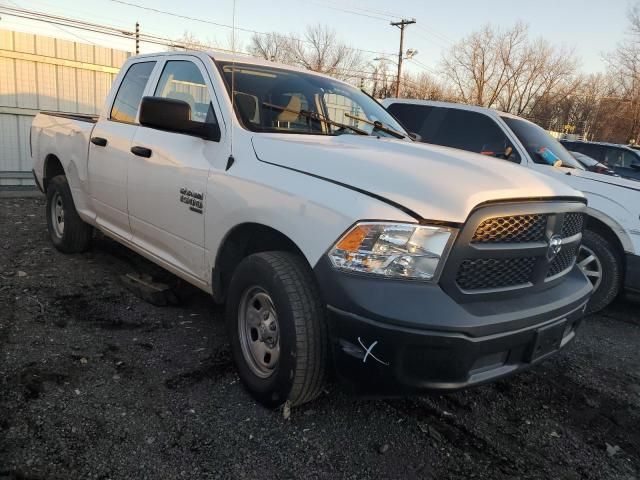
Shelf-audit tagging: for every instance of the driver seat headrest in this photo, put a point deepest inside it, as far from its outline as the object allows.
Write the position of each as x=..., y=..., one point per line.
x=289, y=116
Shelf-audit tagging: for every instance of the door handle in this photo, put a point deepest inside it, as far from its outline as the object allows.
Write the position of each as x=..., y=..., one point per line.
x=141, y=151
x=99, y=141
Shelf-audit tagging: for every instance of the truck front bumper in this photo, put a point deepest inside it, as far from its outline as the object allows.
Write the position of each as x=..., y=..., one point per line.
x=393, y=337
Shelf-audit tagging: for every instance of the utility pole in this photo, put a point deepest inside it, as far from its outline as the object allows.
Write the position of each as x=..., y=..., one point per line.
x=401, y=25
x=137, y=38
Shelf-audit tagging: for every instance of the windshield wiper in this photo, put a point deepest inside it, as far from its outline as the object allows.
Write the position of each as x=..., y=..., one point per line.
x=377, y=125
x=315, y=116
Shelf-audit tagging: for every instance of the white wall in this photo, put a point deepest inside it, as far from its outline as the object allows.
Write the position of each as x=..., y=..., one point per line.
x=45, y=73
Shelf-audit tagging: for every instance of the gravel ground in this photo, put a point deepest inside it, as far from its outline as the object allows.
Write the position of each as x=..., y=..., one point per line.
x=96, y=383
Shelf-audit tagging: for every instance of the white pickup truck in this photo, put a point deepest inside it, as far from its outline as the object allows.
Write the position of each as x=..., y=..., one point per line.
x=334, y=240
x=610, y=252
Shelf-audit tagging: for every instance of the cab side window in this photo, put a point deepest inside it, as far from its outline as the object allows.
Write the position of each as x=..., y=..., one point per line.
x=593, y=151
x=613, y=157
x=182, y=80
x=415, y=118
x=129, y=95
x=474, y=132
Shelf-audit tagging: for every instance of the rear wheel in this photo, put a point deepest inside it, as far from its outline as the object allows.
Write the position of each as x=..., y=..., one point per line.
x=600, y=262
x=68, y=232
x=277, y=326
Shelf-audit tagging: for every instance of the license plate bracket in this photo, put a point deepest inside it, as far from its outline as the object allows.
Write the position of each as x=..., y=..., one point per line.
x=547, y=340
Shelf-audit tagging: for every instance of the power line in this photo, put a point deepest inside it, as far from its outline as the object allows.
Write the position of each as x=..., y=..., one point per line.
x=424, y=66
x=56, y=21
x=353, y=12
x=58, y=27
x=223, y=25
x=81, y=9
x=386, y=13
x=436, y=34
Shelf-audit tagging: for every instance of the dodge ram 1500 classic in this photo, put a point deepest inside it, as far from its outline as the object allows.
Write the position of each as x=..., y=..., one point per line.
x=334, y=240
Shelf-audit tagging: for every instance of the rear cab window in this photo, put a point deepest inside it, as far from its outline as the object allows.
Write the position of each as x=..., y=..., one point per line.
x=129, y=96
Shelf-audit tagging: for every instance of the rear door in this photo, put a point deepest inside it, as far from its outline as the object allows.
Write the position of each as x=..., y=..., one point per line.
x=167, y=190
x=109, y=152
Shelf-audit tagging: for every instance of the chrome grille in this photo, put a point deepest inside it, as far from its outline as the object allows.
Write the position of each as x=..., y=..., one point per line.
x=512, y=229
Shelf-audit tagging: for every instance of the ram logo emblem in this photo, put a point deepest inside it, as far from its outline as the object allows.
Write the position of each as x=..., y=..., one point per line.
x=195, y=200
x=555, y=245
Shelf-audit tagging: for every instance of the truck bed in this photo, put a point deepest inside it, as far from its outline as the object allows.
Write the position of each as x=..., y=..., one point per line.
x=64, y=136
x=81, y=117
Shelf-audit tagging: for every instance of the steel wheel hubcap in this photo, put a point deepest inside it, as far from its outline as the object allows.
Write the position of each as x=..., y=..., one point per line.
x=259, y=331
x=590, y=265
x=57, y=215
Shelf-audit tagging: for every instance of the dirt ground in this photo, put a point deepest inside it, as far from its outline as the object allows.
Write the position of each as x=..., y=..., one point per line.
x=96, y=383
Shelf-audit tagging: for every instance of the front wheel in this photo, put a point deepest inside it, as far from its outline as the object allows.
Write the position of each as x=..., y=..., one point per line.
x=600, y=262
x=277, y=327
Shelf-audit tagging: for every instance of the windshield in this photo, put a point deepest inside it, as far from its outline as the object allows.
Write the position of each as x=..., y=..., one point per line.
x=541, y=146
x=271, y=99
x=584, y=159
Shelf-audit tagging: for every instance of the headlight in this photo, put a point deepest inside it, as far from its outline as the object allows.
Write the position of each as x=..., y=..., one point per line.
x=397, y=250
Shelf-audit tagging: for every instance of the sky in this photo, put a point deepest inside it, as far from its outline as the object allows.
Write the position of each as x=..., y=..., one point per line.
x=591, y=27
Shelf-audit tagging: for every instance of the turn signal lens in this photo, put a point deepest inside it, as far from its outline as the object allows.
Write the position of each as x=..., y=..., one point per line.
x=396, y=250
x=352, y=240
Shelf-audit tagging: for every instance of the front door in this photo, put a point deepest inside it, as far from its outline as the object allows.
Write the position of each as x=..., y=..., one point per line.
x=167, y=190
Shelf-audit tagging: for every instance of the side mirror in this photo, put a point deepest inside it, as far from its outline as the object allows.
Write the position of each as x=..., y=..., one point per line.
x=175, y=116
x=416, y=137
x=635, y=166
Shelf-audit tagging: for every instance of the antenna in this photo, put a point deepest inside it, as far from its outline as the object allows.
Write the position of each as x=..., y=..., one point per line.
x=233, y=80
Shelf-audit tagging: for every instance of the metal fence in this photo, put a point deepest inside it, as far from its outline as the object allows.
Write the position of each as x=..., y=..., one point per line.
x=45, y=73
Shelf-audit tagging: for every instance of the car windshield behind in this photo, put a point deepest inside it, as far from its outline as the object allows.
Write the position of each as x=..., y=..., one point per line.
x=584, y=159
x=541, y=146
x=271, y=99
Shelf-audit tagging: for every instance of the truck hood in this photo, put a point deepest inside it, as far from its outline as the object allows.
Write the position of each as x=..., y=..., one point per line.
x=437, y=183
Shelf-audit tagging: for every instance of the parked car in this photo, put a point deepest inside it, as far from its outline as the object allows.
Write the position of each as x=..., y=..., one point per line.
x=332, y=238
x=610, y=254
x=592, y=164
x=623, y=160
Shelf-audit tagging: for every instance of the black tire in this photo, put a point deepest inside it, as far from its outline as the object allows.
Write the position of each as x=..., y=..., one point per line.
x=610, y=261
x=76, y=235
x=300, y=371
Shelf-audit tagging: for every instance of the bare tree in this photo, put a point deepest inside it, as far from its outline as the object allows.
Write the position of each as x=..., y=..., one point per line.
x=271, y=46
x=424, y=87
x=189, y=41
x=321, y=51
x=505, y=69
x=624, y=65
x=381, y=79
x=482, y=64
